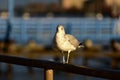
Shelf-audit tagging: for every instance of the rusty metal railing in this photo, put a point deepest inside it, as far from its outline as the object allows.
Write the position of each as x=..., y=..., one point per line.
x=50, y=66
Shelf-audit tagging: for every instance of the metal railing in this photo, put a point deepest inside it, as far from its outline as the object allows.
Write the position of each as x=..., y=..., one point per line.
x=49, y=68
x=43, y=29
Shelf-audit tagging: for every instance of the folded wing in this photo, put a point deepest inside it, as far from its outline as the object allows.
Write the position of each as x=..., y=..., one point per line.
x=72, y=40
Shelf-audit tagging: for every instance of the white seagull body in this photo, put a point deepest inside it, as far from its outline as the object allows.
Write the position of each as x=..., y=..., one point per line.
x=66, y=42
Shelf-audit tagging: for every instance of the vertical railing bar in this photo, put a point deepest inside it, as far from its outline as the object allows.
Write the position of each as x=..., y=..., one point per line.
x=48, y=74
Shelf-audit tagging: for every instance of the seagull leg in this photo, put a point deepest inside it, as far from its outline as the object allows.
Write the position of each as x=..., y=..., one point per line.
x=68, y=56
x=63, y=57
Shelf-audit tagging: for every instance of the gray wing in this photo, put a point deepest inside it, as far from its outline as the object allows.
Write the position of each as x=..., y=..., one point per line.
x=72, y=40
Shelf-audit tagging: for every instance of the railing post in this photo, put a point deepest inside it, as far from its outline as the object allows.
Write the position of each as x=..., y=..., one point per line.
x=48, y=74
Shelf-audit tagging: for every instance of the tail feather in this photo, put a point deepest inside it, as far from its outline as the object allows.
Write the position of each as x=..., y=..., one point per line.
x=80, y=45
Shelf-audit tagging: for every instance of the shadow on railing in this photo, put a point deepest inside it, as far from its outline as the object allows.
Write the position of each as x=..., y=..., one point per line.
x=50, y=66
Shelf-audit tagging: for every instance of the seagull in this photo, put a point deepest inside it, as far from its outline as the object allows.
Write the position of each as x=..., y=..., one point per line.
x=66, y=42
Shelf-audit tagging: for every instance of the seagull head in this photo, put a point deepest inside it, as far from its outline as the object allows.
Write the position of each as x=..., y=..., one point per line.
x=61, y=29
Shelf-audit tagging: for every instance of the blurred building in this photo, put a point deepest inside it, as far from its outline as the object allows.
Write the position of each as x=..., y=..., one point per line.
x=79, y=8
x=115, y=6
x=73, y=3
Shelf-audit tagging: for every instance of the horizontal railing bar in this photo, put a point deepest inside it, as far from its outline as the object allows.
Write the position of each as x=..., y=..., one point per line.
x=108, y=74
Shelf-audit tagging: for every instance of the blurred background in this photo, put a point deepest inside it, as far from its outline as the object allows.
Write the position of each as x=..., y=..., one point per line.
x=27, y=29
